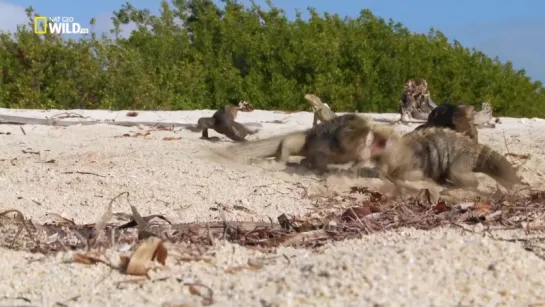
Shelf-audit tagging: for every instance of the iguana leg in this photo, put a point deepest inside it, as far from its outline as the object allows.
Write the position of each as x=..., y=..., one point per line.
x=290, y=145
x=318, y=161
x=205, y=134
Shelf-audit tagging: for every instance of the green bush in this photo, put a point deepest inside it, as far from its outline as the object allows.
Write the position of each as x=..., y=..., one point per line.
x=198, y=55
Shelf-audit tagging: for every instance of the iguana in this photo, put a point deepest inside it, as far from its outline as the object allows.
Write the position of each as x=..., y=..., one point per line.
x=438, y=155
x=456, y=117
x=338, y=141
x=322, y=111
x=223, y=122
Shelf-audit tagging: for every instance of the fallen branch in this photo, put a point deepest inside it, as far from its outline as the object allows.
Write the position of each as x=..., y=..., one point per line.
x=22, y=120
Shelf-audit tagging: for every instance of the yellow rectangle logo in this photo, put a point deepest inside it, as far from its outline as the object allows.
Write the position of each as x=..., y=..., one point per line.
x=37, y=21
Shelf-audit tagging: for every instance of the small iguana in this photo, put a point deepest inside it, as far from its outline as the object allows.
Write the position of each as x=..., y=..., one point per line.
x=322, y=111
x=223, y=122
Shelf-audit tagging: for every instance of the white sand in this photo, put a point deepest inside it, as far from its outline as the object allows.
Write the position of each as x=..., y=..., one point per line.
x=176, y=179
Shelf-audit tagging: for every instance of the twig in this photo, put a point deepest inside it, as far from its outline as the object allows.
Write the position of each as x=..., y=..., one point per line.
x=83, y=173
x=68, y=115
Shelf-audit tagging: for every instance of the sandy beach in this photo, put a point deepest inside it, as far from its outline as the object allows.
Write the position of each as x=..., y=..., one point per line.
x=74, y=171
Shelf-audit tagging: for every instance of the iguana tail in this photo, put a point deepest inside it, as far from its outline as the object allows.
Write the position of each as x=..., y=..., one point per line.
x=255, y=149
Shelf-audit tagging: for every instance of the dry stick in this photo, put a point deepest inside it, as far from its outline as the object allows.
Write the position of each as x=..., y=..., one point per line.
x=83, y=173
x=106, y=217
x=361, y=223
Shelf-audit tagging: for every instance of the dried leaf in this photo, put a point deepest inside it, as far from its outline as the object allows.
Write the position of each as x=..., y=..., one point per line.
x=284, y=221
x=132, y=114
x=355, y=213
x=482, y=208
x=152, y=249
x=537, y=196
x=172, y=138
x=440, y=207
x=194, y=290
x=148, y=218
x=207, y=298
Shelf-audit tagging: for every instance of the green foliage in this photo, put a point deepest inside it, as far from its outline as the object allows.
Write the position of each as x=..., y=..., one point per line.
x=198, y=55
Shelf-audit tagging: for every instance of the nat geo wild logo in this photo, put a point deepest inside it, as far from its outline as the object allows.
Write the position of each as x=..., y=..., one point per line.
x=57, y=25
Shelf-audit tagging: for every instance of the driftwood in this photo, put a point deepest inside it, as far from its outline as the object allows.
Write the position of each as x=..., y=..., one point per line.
x=22, y=120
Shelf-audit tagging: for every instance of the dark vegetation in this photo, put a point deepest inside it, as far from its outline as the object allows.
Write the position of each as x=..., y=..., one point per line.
x=199, y=55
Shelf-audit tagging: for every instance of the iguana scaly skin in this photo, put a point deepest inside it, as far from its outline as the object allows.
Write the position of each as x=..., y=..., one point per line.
x=439, y=155
x=223, y=122
x=456, y=117
x=338, y=141
x=322, y=111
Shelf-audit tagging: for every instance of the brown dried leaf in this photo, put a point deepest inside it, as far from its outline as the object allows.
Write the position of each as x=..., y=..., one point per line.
x=440, y=207
x=152, y=249
x=86, y=258
x=482, y=208
x=536, y=196
x=172, y=138
x=207, y=298
x=355, y=213
x=132, y=114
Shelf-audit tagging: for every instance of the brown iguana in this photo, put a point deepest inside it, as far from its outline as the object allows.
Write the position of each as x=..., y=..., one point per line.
x=223, y=122
x=322, y=111
x=456, y=117
x=338, y=141
x=438, y=155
